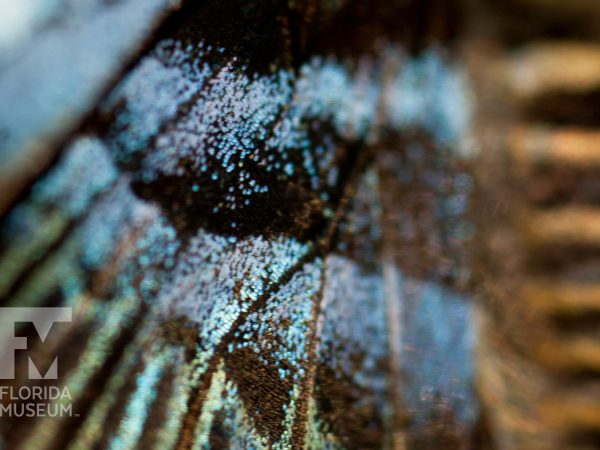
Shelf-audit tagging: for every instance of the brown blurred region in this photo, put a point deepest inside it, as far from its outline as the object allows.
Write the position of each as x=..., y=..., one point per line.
x=536, y=68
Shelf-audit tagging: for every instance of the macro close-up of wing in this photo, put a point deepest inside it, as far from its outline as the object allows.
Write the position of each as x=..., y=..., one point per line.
x=234, y=224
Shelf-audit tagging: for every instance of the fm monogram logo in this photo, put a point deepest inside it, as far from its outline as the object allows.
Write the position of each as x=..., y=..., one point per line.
x=42, y=319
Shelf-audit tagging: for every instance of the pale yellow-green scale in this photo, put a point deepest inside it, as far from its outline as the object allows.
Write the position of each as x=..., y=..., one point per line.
x=29, y=248
x=177, y=408
x=224, y=398
x=140, y=403
x=48, y=276
x=113, y=318
x=210, y=406
x=91, y=430
x=285, y=440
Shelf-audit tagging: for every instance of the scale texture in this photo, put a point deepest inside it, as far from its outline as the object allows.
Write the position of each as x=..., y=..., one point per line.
x=258, y=213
